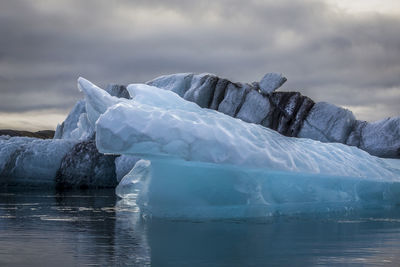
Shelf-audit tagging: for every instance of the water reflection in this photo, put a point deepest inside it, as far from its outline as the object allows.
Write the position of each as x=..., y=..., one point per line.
x=65, y=229
x=49, y=228
x=286, y=243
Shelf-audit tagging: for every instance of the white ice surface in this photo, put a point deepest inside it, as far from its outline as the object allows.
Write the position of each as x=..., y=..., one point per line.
x=195, y=150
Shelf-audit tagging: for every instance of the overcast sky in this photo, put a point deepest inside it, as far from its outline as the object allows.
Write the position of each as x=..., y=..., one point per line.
x=343, y=52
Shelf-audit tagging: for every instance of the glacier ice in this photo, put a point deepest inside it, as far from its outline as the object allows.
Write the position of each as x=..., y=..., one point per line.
x=65, y=129
x=289, y=113
x=255, y=108
x=76, y=126
x=271, y=81
x=381, y=138
x=123, y=165
x=30, y=161
x=178, y=83
x=207, y=164
x=135, y=182
x=328, y=123
x=84, y=130
x=234, y=95
x=174, y=127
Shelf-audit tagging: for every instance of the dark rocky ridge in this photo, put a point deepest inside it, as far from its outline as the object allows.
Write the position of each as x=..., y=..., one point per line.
x=45, y=134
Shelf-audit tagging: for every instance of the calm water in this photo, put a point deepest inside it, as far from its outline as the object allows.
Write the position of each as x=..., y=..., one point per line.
x=46, y=228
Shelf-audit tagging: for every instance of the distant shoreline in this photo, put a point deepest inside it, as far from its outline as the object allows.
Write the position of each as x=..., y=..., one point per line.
x=44, y=134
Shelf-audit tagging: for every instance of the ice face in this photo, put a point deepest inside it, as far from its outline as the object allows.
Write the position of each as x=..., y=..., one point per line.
x=123, y=165
x=175, y=188
x=97, y=100
x=328, y=123
x=136, y=181
x=271, y=81
x=382, y=137
x=84, y=129
x=29, y=161
x=179, y=83
x=76, y=126
x=255, y=108
x=219, y=162
x=64, y=130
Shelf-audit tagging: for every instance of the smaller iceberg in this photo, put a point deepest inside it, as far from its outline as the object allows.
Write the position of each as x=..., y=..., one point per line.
x=210, y=165
x=30, y=161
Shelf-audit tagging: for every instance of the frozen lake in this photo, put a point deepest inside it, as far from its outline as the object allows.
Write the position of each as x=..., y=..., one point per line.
x=78, y=228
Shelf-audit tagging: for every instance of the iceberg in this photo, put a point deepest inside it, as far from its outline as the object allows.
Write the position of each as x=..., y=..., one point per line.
x=207, y=164
x=30, y=161
x=206, y=151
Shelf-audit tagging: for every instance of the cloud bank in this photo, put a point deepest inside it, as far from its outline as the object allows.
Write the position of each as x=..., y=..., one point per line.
x=352, y=60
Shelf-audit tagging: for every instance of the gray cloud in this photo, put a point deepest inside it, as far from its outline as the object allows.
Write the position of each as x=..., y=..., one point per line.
x=353, y=61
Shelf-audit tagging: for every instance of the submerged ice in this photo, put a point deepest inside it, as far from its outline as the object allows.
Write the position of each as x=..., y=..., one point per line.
x=208, y=164
x=188, y=189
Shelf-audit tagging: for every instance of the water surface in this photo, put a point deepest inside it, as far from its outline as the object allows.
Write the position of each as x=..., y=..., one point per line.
x=78, y=228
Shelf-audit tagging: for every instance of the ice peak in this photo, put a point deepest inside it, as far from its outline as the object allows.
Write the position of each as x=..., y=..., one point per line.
x=271, y=81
